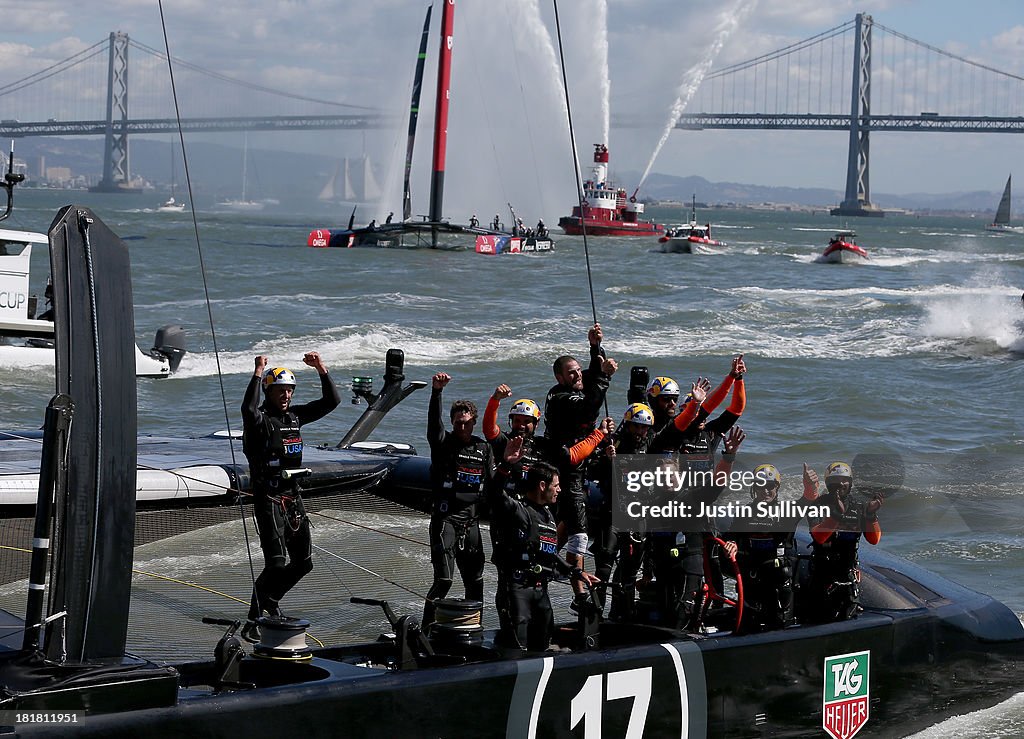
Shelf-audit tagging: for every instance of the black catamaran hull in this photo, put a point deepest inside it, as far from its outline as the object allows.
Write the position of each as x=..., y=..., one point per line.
x=944, y=650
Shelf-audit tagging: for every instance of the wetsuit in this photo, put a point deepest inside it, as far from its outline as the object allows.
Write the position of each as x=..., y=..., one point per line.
x=569, y=415
x=272, y=442
x=766, y=555
x=834, y=587
x=535, y=449
x=527, y=563
x=697, y=446
x=459, y=472
x=610, y=543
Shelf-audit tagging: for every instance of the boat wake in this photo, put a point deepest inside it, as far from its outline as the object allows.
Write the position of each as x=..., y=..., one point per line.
x=988, y=318
x=1003, y=719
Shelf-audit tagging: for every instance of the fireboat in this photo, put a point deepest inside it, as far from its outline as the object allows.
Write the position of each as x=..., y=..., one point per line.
x=605, y=210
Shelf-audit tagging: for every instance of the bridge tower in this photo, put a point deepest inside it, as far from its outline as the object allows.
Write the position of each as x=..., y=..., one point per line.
x=858, y=192
x=116, y=170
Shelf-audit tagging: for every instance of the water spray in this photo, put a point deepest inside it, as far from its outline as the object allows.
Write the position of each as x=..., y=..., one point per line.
x=695, y=75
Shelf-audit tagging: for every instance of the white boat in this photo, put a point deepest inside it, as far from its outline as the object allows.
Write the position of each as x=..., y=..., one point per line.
x=842, y=249
x=689, y=238
x=171, y=206
x=243, y=205
x=26, y=332
x=1001, y=224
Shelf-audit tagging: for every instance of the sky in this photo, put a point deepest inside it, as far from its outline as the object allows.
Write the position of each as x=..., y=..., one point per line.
x=508, y=135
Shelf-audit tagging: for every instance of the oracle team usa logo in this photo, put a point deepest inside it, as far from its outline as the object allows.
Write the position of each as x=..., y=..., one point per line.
x=845, y=699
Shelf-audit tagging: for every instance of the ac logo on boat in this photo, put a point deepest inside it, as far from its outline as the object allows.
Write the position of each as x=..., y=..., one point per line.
x=845, y=698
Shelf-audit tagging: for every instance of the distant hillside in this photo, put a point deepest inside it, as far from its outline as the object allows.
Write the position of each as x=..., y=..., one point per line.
x=668, y=187
x=217, y=171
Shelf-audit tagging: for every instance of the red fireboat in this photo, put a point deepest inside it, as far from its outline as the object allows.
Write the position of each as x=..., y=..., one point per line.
x=606, y=211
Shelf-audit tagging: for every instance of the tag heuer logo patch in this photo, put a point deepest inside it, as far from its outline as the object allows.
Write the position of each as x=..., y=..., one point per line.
x=846, y=694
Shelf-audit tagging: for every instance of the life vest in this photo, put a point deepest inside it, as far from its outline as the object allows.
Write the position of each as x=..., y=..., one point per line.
x=276, y=447
x=460, y=475
x=535, y=540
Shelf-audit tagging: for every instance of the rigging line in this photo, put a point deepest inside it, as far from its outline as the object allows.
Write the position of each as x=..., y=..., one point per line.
x=576, y=165
x=370, y=528
x=206, y=286
x=579, y=179
x=368, y=571
x=243, y=83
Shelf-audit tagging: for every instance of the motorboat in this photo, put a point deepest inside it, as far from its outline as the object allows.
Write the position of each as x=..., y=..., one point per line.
x=27, y=329
x=843, y=249
x=605, y=210
x=689, y=238
x=504, y=244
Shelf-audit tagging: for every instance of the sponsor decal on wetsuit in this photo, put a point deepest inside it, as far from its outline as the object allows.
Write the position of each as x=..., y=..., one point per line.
x=845, y=699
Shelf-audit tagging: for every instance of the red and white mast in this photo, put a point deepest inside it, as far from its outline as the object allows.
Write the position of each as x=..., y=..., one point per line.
x=444, y=73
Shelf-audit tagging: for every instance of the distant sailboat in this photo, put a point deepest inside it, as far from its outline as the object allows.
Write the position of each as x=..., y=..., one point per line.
x=352, y=182
x=1001, y=224
x=244, y=205
x=171, y=205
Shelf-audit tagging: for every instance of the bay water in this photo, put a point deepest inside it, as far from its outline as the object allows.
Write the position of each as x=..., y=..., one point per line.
x=917, y=353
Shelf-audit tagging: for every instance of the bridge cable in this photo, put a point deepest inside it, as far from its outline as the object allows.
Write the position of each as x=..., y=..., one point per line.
x=243, y=83
x=206, y=286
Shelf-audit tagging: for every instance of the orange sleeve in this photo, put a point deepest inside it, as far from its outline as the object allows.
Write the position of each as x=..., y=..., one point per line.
x=873, y=532
x=491, y=429
x=739, y=398
x=717, y=395
x=810, y=491
x=822, y=531
x=685, y=417
x=582, y=450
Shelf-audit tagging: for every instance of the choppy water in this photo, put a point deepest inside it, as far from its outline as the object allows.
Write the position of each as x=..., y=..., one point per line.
x=918, y=352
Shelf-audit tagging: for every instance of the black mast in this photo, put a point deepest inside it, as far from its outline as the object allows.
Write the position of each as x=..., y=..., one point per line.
x=414, y=114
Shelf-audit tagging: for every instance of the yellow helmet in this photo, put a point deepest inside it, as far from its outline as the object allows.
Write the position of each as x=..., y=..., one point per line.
x=766, y=477
x=640, y=414
x=838, y=470
x=662, y=386
x=525, y=407
x=278, y=376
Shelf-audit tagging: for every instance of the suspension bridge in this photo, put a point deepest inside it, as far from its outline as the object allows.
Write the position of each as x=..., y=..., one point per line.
x=858, y=77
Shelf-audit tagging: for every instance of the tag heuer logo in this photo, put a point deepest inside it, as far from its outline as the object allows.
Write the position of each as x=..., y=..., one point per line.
x=846, y=694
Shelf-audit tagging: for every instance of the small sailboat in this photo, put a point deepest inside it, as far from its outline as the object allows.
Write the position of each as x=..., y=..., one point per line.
x=1001, y=224
x=243, y=205
x=171, y=205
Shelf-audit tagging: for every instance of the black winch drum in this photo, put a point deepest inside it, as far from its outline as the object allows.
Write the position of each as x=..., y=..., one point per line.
x=457, y=622
x=283, y=637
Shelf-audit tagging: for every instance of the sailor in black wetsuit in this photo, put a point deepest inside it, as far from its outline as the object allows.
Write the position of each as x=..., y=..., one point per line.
x=530, y=557
x=833, y=593
x=610, y=544
x=766, y=554
x=460, y=466
x=570, y=411
x=272, y=442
